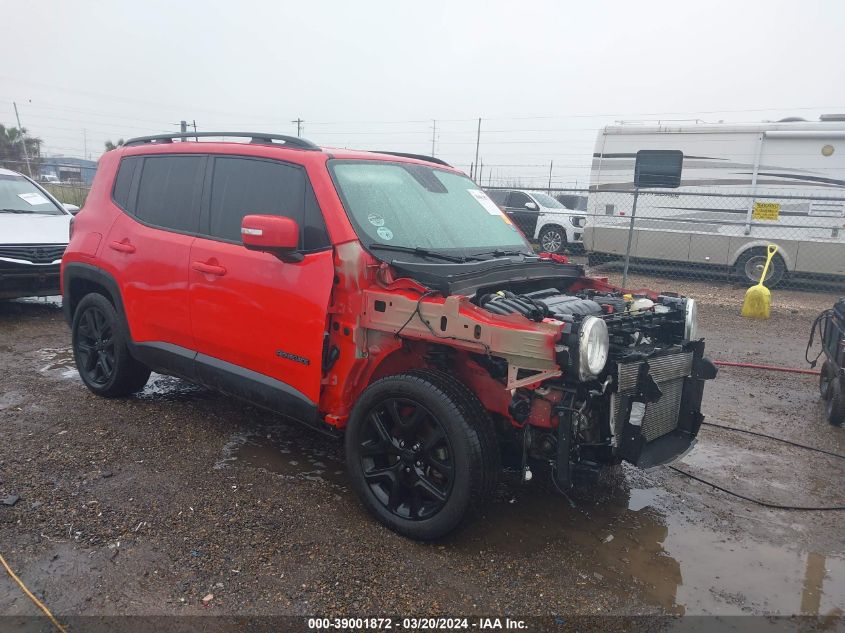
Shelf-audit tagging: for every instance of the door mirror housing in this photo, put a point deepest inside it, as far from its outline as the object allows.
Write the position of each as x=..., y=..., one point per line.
x=71, y=208
x=272, y=234
x=531, y=205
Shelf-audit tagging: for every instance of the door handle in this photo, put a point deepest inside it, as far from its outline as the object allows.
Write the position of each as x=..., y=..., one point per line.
x=122, y=246
x=208, y=269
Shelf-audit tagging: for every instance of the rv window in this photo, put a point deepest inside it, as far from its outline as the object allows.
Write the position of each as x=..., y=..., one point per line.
x=658, y=168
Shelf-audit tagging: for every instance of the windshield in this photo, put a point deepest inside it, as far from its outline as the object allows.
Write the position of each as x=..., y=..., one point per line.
x=547, y=201
x=416, y=206
x=18, y=195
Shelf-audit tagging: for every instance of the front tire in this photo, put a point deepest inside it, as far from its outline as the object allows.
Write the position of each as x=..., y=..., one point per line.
x=100, y=350
x=749, y=267
x=415, y=456
x=552, y=239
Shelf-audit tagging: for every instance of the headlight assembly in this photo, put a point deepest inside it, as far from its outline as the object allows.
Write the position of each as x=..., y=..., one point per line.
x=593, y=347
x=691, y=320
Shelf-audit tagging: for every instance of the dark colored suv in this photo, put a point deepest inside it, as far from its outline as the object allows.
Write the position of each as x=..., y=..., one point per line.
x=381, y=296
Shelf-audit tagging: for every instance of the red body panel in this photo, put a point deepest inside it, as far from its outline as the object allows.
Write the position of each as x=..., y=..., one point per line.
x=151, y=268
x=261, y=313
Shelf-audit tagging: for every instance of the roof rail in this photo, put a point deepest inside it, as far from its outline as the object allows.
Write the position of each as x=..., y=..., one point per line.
x=428, y=159
x=259, y=138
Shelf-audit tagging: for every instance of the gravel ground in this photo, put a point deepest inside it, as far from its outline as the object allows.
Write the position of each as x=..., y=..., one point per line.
x=148, y=505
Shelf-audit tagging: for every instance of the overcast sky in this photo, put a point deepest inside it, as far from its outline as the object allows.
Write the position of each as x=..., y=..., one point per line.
x=543, y=76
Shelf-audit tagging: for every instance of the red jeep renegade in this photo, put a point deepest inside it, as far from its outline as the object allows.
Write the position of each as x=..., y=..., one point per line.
x=380, y=295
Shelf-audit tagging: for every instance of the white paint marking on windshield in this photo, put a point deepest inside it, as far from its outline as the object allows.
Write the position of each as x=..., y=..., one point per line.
x=484, y=200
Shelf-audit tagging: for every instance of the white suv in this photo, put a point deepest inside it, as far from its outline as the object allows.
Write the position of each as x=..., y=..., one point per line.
x=34, y=229
x=542, y=218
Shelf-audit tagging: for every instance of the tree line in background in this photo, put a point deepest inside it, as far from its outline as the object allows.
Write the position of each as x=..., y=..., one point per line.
x=16, y=147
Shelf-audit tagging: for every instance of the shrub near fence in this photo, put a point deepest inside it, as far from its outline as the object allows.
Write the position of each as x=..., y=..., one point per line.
x=67, y=192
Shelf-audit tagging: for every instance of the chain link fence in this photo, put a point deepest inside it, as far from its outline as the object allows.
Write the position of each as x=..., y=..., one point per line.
x=707, y=235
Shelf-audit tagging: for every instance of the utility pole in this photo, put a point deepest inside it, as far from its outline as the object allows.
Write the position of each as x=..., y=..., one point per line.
x=477, y=140
x=433, y=134
x=196, y=138
x=299, y=123
x=84, y=143
x=183, y=128
x=23, y=140
x=480, y=171
x=551, y=165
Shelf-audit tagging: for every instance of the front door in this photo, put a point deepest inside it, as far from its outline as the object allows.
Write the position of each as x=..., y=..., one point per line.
x=259, y=322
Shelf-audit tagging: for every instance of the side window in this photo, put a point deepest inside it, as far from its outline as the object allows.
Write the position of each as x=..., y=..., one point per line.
x=517, y=200
x=169, y=192
x=245, y=186
x=123, y=181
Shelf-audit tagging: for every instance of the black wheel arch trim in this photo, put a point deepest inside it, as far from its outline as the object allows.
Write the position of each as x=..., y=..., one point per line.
x=74, y=271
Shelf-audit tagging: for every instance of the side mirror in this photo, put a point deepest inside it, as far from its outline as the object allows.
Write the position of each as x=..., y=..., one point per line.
x=272, y=234
x=71, y=208
x=531, y=205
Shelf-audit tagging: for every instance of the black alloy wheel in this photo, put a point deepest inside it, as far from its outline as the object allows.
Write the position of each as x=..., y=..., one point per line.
x=95, y=345
x=420, y=452
x=406, y=459
x=100, y=349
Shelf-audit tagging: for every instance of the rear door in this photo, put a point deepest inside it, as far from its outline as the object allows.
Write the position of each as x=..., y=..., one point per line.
x=523, y=217
x=259, y=322
x=148, y=246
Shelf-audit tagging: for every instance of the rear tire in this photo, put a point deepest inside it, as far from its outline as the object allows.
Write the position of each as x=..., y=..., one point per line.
x=836, y=402
x=552, y=239
x=415, y=456
x=826, y=378
x=100, y=350
x=749, y=267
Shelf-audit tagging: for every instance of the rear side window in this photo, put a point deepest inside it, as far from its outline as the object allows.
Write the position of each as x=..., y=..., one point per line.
x=169, y=192
x=123, y=181
x=245, y=186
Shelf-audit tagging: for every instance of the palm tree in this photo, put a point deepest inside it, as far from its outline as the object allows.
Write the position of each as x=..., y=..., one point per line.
x=12, y=143
x=110, y=146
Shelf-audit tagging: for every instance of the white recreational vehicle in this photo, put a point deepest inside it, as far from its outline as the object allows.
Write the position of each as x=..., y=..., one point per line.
x=743, y=186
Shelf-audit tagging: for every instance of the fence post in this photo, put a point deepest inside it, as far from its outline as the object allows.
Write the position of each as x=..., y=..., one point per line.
x=630, y=238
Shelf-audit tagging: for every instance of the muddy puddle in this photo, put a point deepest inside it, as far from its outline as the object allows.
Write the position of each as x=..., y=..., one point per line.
x=58, y=363
x=170, y=388
x=648, y=542
x=313, y=458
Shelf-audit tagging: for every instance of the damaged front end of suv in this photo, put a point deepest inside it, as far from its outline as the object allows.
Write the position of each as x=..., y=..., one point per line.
x=580, y=374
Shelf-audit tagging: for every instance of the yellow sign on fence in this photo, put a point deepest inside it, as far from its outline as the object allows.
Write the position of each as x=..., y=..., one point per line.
x=766, y=211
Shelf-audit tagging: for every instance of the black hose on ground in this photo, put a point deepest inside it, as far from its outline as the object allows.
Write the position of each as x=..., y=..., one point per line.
x=765, y=504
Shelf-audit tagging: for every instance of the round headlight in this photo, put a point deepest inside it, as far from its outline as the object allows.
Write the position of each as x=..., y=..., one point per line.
x=691, y=320
x=593, y=347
